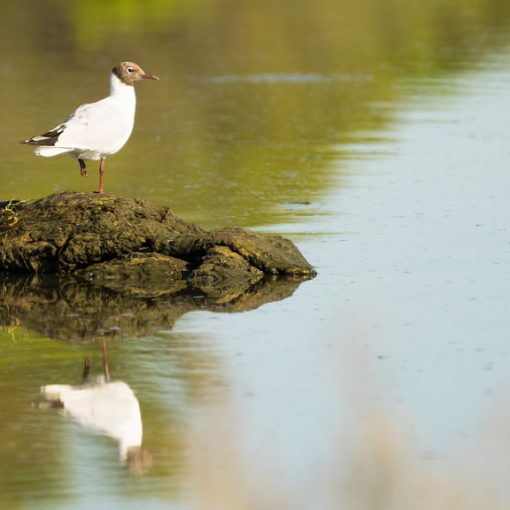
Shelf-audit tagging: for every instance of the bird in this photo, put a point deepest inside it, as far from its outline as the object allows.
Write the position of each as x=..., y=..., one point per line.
x=106, y=406
x=96, y=130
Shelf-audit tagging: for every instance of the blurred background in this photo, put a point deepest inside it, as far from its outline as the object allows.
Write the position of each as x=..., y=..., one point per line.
x=374, y=134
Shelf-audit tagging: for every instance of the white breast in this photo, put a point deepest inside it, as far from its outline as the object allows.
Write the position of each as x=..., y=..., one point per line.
x=100, y=129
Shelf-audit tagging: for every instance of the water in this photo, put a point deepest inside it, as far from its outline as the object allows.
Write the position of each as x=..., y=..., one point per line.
x=373, y=135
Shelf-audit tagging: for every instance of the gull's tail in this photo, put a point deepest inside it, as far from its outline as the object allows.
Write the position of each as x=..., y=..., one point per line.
x=45, y=143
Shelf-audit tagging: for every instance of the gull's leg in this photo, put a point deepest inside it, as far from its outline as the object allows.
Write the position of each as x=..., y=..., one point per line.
x=101, y=173
x=83, y=169
x=105, y=360
x=86, y=369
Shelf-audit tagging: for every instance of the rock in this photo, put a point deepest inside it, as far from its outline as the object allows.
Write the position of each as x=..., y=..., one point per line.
x=122, y=243
x=225, y=273
x=141, y=273
x=73, y=230
x=269, y=254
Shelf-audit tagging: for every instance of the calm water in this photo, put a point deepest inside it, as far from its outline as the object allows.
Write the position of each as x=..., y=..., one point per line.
x=374, y=134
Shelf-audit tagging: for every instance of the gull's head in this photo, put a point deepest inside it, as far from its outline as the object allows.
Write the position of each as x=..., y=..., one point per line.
x=129, y=73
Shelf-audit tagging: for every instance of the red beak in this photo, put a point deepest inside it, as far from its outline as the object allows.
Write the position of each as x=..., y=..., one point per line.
x=149, y=76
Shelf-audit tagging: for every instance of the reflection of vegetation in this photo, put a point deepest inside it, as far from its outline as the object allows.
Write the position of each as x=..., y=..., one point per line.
x=301, y=79
x=92, y=20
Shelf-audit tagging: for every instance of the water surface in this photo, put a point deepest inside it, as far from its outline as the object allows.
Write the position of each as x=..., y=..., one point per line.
x=371, y=133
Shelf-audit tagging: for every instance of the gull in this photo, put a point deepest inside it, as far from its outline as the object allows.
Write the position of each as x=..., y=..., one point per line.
x=106, y=406
x=96, y=130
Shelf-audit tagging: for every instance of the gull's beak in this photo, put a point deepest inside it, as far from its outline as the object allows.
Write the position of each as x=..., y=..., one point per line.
x=149, y=76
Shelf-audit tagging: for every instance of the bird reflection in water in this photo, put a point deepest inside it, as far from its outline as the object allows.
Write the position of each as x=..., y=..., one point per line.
x=106, y=406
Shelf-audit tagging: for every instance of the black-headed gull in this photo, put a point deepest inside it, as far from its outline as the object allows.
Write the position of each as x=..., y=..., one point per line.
x=96, y=130
x=108, y=407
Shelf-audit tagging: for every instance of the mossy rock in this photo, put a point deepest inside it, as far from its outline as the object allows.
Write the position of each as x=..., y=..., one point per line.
x=120, y=242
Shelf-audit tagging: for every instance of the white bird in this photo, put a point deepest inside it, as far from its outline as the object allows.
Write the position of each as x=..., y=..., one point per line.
x=96, y=130
x=108, y=407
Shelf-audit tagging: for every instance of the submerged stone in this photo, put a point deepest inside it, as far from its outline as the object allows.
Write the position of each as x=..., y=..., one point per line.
x=124, y=243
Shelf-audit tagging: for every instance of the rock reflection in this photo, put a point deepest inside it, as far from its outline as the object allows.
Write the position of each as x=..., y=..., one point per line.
x=105, y=406
x=67, y=309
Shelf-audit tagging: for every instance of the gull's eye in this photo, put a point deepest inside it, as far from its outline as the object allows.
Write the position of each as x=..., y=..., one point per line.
x=130, y=69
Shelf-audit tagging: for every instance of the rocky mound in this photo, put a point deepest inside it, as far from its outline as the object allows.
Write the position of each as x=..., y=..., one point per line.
x=119, y=243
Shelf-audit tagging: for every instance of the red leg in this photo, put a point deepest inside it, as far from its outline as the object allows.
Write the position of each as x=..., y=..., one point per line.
x=83, y=169
x=101, y=173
